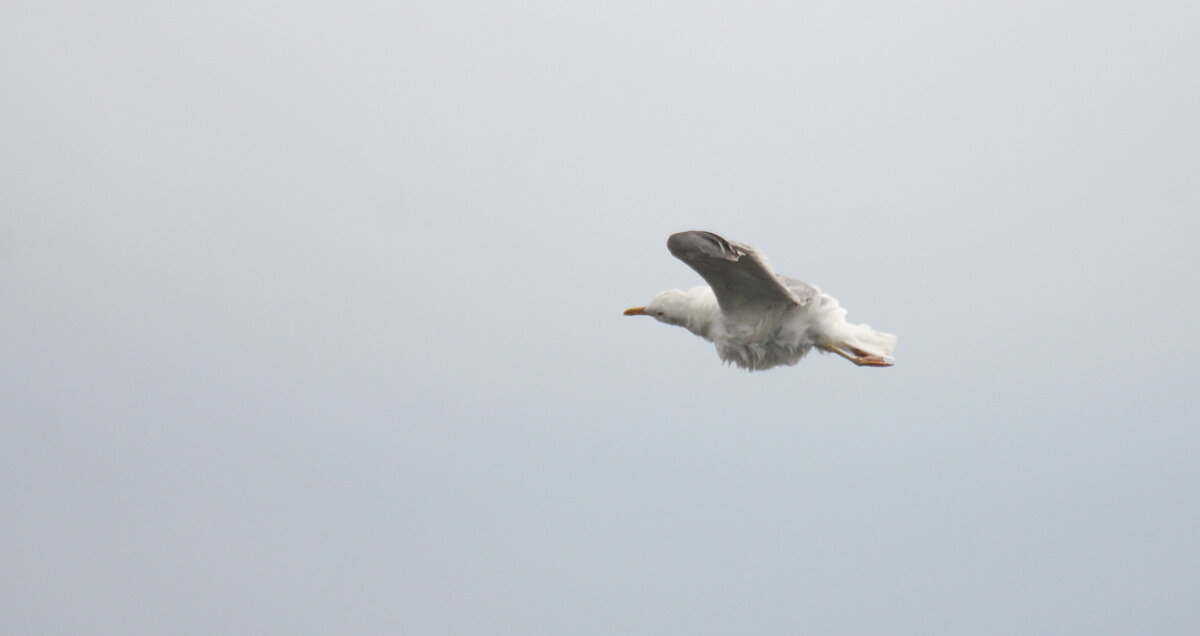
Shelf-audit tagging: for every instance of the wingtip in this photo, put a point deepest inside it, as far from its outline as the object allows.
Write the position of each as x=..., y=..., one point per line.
x=682, y=244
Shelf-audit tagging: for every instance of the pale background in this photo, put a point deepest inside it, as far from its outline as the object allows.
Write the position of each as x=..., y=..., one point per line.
x=310, y=318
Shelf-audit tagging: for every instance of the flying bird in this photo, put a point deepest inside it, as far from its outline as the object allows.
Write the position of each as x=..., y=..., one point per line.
x=756, y=318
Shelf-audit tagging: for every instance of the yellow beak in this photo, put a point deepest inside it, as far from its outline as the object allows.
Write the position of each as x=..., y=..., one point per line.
x=636, y=311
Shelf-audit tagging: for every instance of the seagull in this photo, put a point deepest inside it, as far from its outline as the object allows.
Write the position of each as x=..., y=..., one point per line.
x=756, y=318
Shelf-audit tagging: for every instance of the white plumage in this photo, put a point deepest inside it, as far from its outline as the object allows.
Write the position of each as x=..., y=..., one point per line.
x=756, y=318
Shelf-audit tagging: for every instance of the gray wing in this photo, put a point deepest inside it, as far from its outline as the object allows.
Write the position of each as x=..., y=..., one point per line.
x=802, y=290
x=738, y=276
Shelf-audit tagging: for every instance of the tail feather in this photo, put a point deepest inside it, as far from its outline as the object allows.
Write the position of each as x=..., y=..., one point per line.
x=831, y=320
x=867, y=339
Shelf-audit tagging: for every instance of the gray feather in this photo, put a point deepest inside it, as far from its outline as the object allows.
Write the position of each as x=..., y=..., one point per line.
x=739, y=277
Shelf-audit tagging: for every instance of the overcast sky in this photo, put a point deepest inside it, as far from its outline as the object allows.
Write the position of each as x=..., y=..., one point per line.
x=310, y=318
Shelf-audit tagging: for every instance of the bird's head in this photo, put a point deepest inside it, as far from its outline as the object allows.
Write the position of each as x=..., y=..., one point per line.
x=673, y=307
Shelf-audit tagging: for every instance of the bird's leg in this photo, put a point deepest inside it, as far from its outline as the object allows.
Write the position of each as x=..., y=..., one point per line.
x=860, y=358
x=841, y=353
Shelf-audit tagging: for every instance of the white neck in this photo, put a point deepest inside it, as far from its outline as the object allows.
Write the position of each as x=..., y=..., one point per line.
x=695, y=309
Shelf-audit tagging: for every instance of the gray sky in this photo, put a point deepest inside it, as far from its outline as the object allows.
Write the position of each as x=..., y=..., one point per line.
x=310, y=318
